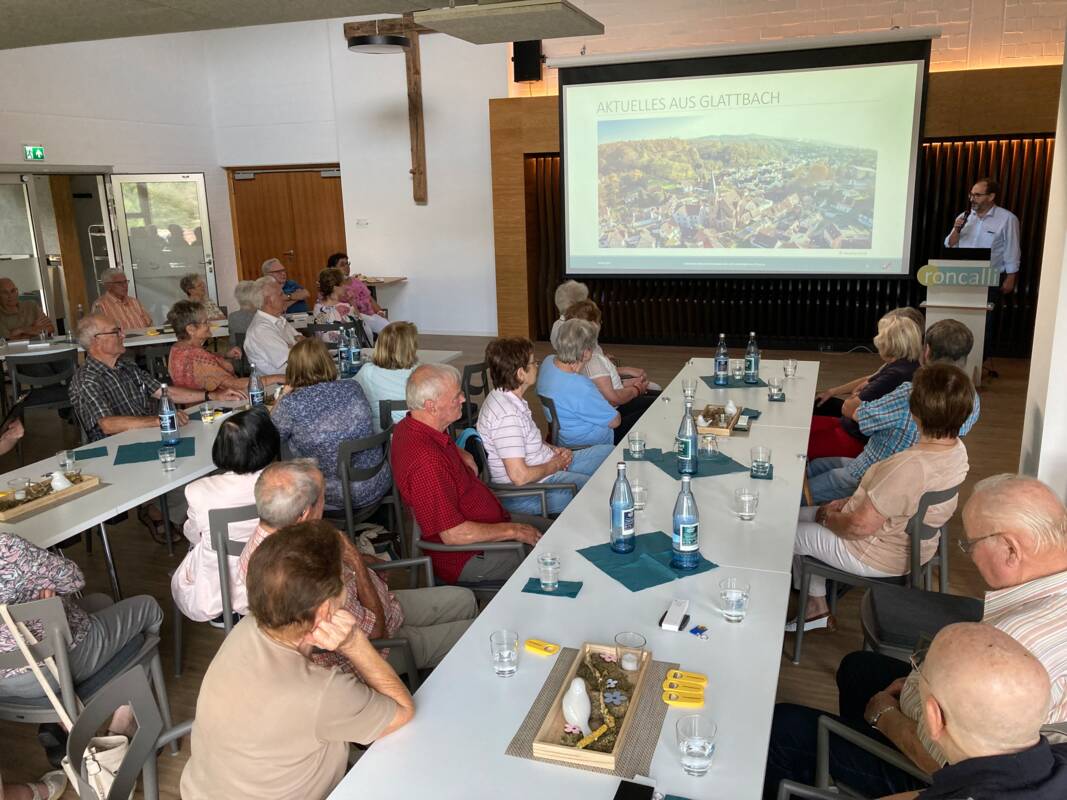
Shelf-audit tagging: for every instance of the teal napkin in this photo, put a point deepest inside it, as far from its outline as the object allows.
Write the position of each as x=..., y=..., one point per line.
x=718, y=464
x=776, y=399
x=769, y=476
x=647, y=565
x=89, y=452
x=566, y=588
x=733, y=384
x=149, y=451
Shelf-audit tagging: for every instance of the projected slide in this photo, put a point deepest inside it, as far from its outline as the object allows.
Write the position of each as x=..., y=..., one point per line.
x=803, y=172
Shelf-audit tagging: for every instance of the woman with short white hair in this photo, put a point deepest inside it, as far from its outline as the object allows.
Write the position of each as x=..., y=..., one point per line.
x=239, y=319
x=567, y=294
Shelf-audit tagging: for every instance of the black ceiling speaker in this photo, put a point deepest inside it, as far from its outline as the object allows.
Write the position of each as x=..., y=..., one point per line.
x=527, y=60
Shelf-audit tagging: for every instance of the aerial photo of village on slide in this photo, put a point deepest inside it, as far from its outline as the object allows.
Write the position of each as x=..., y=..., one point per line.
x=733, y=191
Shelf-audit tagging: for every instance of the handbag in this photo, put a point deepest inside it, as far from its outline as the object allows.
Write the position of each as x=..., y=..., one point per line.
x=104, y=754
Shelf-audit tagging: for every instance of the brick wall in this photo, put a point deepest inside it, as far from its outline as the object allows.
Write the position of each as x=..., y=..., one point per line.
x=975, y=34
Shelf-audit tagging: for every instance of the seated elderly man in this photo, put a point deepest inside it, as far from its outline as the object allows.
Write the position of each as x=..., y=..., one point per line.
x=115, y=303
x=270, y=722
x=111, y=394
x=196, y=290
x=431, y=619
x=20, y=319
x=270, y=336
x=887, y=421
x=296, y=296
x=1015, y=529
x=440, y=483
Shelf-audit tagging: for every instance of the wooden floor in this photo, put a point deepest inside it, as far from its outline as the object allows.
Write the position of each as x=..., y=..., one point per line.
x=993, y=447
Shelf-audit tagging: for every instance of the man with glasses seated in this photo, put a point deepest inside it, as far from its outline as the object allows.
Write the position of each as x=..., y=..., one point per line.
x=296, y=294
x=116, y=304
x=1015, y=530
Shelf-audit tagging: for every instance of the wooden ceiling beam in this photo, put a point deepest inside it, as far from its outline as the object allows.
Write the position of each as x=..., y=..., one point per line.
x=390, y=26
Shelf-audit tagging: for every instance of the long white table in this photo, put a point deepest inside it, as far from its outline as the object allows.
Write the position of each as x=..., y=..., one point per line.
x=135, y=337
x=466, y=716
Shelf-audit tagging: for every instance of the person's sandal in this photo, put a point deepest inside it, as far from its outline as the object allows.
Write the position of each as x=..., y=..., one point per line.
x=55, y=782
x=156, y=528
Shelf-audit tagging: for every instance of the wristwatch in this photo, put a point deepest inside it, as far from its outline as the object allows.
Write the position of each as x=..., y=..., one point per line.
x=873, y=721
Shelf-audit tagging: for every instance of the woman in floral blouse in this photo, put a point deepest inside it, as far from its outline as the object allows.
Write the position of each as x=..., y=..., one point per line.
x=358, y=296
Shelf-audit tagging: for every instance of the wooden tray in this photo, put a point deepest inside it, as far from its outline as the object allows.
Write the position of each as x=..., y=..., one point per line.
x=87, y=483
x=710, y=412
x=546, y=742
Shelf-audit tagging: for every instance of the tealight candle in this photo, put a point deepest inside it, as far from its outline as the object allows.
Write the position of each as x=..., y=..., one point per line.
x=629, y=662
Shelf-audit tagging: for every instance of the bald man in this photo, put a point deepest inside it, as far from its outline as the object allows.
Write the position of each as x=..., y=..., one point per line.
x=984, y=699
x=20, y=319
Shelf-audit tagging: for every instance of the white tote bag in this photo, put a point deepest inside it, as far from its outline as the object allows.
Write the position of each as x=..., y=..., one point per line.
x=104, y=754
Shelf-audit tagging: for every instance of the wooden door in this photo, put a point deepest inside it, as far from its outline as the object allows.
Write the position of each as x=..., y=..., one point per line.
x=293, y=215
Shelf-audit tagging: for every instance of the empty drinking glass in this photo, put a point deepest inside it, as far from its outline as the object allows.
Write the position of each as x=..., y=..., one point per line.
x=504, y=645
x=696, y=741
x=737, y=368
x=708, y=445
x=689, y=388
x=629, y=648
x=774, y=388
x=733, y=599
x=167, y=456
x=640, y=492
x=636, y=441
x=789, y=367
x=761, y=462
x=548, y=566
x=66, y=460
x=746, y=500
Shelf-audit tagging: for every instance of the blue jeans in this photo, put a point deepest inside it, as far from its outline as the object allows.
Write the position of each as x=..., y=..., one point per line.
x=584, y=464
x=830, y=479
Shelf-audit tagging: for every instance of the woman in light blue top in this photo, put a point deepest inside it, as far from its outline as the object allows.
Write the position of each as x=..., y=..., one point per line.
x=585, y=417
x=386, y=377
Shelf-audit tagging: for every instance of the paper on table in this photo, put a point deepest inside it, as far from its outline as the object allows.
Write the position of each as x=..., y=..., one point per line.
x=733, y=384
x=149, y=451
x=707, y=467
x=647, y=565
x=90, y=452
x=566, y=588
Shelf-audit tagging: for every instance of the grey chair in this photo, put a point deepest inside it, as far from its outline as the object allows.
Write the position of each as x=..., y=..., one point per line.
x=828, y=726
x=152, y=735
x=483, y=589
x=46, y=376
x=348, y=473
x=789, y=789
x=503, y=491
x=242, y=368
x=403, y=645
x=386, y=409
x=157, y=361
x=473, y=389
x=918, y=532
x=549, y=407
x=141, y=652
x=895, y=618
x=219, y=521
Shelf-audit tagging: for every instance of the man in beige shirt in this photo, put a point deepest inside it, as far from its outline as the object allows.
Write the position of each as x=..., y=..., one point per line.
x=20, y=319
x=270, y=723
x=116, y=303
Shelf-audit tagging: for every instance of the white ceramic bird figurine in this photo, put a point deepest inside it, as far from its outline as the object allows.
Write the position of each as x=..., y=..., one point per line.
x=60, y=481
x=576, y=706
x=731, y=408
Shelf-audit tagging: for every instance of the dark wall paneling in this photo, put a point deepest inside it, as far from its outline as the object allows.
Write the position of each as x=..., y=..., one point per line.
x=808, y=313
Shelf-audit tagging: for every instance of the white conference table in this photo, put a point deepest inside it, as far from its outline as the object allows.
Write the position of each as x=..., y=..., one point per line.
x=466, y=716
x=135, y=337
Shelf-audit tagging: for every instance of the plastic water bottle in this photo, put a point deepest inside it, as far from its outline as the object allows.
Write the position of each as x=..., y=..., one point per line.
x=752, y=360
x=622, y=513
x=343, y=359
x=255, y=387
x=722, y=363
x=168, y=418
x=685, y=442
x=685, y=541
x=355, y=355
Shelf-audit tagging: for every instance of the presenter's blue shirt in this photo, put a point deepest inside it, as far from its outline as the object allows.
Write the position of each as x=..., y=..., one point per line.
x=584, y=414
x=300, y=306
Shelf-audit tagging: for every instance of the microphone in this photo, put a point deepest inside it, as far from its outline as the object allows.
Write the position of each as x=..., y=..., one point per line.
x=966, y=216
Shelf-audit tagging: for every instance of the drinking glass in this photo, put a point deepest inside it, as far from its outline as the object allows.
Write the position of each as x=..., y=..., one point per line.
x=774, y=388
x=629, y=647
x=737, y=368
x=640, y=492
x=548, y=566
x=636, y=442
x=746, y=501
x=689, y=388
x=504, y=645
x=19, y=486
x=66, y=460
x=708, y=445
x=761, y=462
x=789, y=367
x=167, y=456
x=696, y=741
x=207, y=413
x=733, y=599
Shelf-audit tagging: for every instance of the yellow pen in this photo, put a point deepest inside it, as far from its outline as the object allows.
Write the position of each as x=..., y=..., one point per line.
x=687, y=677
x=542, y=648
x=684, y=699
x=683, y=686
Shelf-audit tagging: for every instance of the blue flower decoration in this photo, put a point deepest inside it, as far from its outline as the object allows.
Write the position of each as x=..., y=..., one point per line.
x=614, y=698
x=612, y=683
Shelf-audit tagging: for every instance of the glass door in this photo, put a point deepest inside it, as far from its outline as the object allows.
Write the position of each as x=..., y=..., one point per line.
x=161, y=224
x=18, y=244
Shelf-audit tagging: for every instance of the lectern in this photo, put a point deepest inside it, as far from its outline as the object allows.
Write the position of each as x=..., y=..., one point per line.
x=959, y=290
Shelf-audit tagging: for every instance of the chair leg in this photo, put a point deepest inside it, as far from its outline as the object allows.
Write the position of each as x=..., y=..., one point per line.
x=111, y=571
x=802, y=605
x=942, y=567
x=155, y=670
x=151, y=777
x=87, y=536
x=831, y=596
x=164, y=509
x=177, y=621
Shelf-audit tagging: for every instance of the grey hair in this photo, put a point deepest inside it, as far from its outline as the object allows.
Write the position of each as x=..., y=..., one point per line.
x=243, y=292
x=188, y=282
x=87, y=330
x=285, y=490
x=109, y=275
x=574, y=338
x=428, y=382
x=268, y=264
x=1027, y=502
x=570, y=292
x=255, y=294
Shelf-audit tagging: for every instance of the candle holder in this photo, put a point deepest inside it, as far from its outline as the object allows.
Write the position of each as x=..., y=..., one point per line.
x=629, y=650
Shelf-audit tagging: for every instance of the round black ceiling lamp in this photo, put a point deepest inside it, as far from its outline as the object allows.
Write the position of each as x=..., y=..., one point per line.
x=378, y=43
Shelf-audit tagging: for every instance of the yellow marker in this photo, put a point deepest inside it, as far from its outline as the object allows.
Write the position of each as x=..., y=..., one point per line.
x=687, y=677
x=683, y=686
x=151, y=332
x=684, y=699
x=542, y=648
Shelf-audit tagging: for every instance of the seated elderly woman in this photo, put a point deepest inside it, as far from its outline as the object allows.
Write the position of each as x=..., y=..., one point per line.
x=244, y=294
x=246, y=443
x=191, y=366
x=330, y=308
x=513, y=444
x=196, y=290
x=318, y=412
x=865, y=533
x=585, y=417
x=396, y=354
x=357, y=295
x=834, y=431
x=567, y=294
x=270, y=722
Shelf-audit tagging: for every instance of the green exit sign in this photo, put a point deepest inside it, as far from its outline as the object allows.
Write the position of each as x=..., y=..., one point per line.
x=33, y=152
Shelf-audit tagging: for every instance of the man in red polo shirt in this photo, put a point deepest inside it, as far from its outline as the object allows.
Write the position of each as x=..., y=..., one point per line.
x=440, y=483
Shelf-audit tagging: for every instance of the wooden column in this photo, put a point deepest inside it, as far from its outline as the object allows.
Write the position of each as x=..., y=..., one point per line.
x=416, y=124
x=69, y=248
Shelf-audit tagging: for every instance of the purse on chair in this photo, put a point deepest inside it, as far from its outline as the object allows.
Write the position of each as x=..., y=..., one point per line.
x=104, y=754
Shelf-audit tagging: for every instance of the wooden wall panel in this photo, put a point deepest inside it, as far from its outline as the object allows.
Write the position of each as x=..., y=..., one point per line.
x=69, y=247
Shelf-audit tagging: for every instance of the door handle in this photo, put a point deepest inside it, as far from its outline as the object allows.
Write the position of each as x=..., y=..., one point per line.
x=289, y=253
